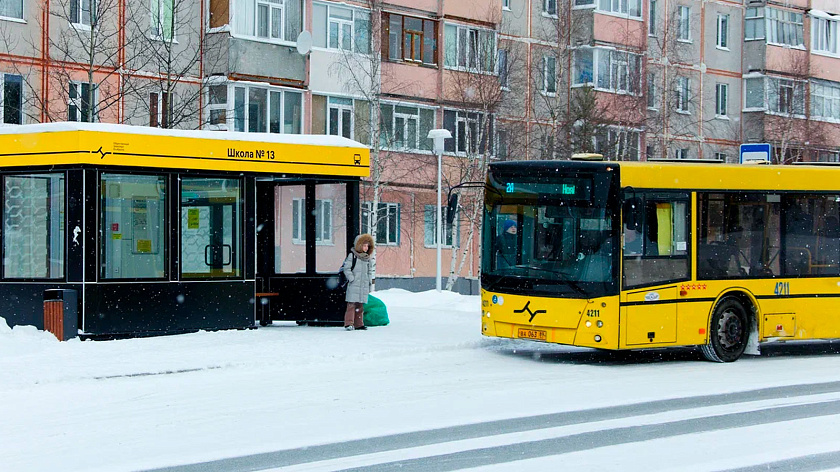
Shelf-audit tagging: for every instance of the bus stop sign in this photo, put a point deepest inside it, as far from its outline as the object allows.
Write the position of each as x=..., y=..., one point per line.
x=752, y=153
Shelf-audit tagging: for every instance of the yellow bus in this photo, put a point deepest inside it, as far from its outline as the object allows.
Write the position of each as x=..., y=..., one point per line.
x=629, y=255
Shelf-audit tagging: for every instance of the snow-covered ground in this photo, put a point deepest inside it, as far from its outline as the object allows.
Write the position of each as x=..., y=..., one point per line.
x=154, y=402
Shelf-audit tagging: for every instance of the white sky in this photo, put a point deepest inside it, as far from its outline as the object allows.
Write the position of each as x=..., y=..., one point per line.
x=154, y=402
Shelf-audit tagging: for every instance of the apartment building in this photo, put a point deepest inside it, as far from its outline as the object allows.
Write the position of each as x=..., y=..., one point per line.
x=679, y=79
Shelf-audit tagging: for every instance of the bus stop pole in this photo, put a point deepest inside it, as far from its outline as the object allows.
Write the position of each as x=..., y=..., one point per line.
x=438, y=135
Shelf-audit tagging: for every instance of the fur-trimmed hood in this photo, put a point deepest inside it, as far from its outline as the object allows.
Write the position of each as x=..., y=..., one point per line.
x=361, y=240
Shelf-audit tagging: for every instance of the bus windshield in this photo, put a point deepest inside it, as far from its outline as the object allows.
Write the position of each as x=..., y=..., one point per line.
x=551, y=237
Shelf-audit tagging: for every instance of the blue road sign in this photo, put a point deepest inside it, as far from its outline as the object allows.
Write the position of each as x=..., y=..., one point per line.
x=759, y=152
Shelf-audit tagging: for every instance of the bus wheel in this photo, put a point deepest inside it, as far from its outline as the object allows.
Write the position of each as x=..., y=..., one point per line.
x=729, y=332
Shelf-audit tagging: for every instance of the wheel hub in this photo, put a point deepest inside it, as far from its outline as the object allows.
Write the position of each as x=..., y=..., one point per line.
x=730, y=330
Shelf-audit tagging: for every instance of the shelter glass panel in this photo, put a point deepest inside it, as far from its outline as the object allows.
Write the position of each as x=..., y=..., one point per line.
x=132, y=237
x=330, y=226
x=211, y=228
x=33, y=226
x=290, y=229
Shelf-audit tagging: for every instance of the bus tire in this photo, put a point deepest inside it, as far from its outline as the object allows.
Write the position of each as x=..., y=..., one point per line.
x=728, y=332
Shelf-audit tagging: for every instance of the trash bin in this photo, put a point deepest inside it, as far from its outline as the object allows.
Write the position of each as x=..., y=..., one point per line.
x=61, y=313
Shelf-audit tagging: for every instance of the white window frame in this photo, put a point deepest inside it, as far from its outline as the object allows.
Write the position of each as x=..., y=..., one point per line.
x=341, y=108
x=231, y=110
x=298, y=213
x=506, y=5
x=502, y=69
x=684, y=24
x=377, y=219
x=270, y=6
x=681, y=153
x=683, y=94
x=418, y=148
x=616, y=59
x=763, y=88
x=3, y=97
x=652, y=18
x=446, y=230
x=722, y=101
x=827, y=94
x=77, y=102
x=651, y=92
x=722, y=37
x=549, y=87
x=15, y=18
x=160, y=101
x=620, y=8
x=211, y=107
x=721, y=156
x=612, y=134
x=157, y=18
x=83, y=20
x=473, y=51
x=782, y=20
x=548, y=6
x=825, y=39
x=795, y=89
x=340, y=23
x=754, y=19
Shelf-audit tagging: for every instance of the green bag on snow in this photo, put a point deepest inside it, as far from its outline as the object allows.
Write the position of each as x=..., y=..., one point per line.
x=376, y=314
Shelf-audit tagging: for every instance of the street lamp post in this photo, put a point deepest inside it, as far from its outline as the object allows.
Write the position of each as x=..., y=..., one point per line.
x=439, y=135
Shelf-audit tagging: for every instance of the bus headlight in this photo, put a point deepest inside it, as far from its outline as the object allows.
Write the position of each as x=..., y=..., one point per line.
x=597, y=338
x=588, y=324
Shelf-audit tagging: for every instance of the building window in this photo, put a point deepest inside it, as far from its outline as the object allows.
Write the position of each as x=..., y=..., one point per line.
x=721, y=100
x=266, y=110
x=631, y=8
x=469, y=48
x=33, y=226
x=405, y=127
x=754, y=23
x=786, y=96
x=268, y=20
x=217, y=107
x=684, y=27
x=160, y=109
x=12, y=98
x=617, y=144
x=550, y=7
x=409, y=39
x=163, y=19
x=824, y=35
x=681, y=153
x=682, y=94
x=784, y=28
x=502, y=69
x=650, y=151
x=825, y=100
x=132, y=226
x=386, y=221
x=502, y=144
x=341, y=28
x=430, y=228
x=506, y=5
x=82, y=12
x=11, y=9
x=340, y=117
x=652, y=18
x=469, y=133
x=723, y=32
x=614, y=71
x=754, y=98
x=720, y=156
x=549, y=75
x=82, y=103
x=651, y=91
x=323, y=221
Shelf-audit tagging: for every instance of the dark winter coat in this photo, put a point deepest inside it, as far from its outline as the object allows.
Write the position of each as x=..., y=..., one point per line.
x=359, y=278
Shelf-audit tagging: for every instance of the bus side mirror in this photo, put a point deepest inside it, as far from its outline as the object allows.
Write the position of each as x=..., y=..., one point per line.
x=633, y=212
x=451, y=209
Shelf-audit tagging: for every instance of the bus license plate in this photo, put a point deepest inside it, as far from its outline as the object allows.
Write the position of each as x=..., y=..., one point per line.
x=537, y=334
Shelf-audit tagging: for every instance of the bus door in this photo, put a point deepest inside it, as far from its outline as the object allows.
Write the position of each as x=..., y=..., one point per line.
x=210, y=231
x=655, y=263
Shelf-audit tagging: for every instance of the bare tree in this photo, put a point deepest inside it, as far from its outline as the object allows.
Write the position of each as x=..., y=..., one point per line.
x=169, y=43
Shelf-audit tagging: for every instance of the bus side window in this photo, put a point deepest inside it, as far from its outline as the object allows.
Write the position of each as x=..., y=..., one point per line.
x=656, y=235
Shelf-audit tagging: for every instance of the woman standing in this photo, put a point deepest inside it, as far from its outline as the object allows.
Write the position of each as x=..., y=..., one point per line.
x=356, y=268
